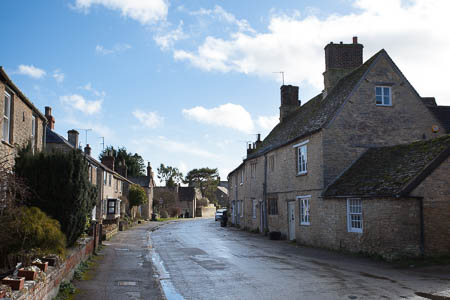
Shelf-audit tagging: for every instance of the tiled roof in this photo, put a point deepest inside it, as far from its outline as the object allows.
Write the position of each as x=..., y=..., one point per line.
x=314, y=114
x=143, y=181
x=442, y=113
x=391, y=171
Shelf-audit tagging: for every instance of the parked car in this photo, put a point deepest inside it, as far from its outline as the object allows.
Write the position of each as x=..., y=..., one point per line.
x=219, y=213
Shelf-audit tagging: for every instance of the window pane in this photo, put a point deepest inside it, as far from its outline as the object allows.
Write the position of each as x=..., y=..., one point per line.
x=386, y=91
x=379, y=100
x=378, y=91
x=386, y=100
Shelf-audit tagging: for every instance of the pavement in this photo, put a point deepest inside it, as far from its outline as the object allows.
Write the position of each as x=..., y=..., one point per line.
x=124, y=268
x=200, y=260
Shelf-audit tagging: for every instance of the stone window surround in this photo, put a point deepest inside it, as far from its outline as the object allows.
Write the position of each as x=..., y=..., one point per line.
x=304, y=202
x=254, y=204
x=382, y=88
x=352, y=204
x=7, y=117
x=299, y=147
x=272, y=162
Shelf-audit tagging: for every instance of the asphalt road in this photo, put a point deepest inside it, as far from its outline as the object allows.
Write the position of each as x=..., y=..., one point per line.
x=200, y=260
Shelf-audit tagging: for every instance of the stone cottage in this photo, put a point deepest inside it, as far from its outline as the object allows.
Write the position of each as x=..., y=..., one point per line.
x=21, y=121
x=110, y=184
x=284, y=182
x=148, y=183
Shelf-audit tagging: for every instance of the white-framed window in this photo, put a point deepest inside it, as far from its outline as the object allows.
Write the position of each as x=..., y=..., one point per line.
x=33, y=132
x=383, y=95
x=254, y=203
x=105, y=178
x=302, y=157
x=242, y=176
x=271, y=163
x=303, y=204
x=354, y=215
x=7, y=118
x=253, y=170
x=111, y=206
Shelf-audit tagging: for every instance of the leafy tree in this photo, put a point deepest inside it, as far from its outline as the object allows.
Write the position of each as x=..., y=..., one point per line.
x=170, y=175
x=135, y=162
x=137, y=195
x=206, y=179
x=60, y=187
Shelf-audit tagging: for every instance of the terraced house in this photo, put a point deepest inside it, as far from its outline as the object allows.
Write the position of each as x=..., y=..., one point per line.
x=21, y=122
x=363, y=166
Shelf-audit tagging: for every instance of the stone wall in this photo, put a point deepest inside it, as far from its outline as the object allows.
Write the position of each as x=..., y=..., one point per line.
x=21, y=125
x=48, y=289
x=435, y=190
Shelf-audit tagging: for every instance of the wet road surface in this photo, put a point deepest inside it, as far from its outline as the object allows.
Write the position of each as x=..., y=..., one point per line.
x=200, y=260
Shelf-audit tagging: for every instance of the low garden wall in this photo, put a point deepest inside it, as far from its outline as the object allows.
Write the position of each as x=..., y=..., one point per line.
x=48, y=288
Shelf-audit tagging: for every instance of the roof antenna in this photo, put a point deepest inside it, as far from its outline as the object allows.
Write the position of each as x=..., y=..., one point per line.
x=86, y=131
x=282, y=75
x=103, y=142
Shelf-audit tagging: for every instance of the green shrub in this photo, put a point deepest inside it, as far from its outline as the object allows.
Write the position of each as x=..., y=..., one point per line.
x=65, y=290
x=164, y=214
x=28, y=229
x=60, y=187
x=137, y=195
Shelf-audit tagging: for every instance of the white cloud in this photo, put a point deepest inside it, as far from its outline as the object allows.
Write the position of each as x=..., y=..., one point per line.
x=166, y=40
x=31, y=71
x=88, y=87
x=228, y=115
x=78, y=102
x=143, y=11
x=413, y=32
x=116, y=49
x=58, y=75
x=172, y=146
x=267, y=122
x=148, y=119
x=221, y=14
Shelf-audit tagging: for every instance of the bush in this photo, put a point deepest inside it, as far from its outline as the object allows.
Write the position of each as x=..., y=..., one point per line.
x=29, y=230
x=60, y=187
x=137, y=195
x=174, y=212
x=164, y=214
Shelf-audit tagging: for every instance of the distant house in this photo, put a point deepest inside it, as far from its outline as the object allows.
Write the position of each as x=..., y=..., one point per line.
x=148, y=183
x=110, y=184
x=222, y=194
x=184, y=198
x=21, y=122
x=362, y=166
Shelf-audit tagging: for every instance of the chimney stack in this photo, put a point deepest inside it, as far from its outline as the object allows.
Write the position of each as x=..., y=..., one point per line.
x=87, y=150
x=72, y=136
x=289, y=100
x=340, y=60
x=50, y=118
x=108, y=160
x=149, y=170
x=121, y=168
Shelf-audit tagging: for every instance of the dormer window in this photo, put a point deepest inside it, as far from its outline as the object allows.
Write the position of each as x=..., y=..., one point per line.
x=383, y=95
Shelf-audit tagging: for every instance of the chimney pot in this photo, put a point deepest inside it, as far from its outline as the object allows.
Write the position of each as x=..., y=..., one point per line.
x=355, y=40
x=87, y=150
x=149, y=170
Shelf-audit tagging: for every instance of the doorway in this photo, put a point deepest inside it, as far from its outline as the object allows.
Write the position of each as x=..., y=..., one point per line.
x=291, y=219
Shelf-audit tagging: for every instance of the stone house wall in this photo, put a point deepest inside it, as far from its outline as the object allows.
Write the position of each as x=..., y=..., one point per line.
x=362, y=124
x=21, y=124
x=435, y=190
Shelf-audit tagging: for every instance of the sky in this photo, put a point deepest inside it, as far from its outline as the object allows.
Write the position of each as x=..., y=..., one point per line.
x=189, y=83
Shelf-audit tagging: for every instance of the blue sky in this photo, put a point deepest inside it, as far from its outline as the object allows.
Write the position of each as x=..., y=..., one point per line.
x=188, y=83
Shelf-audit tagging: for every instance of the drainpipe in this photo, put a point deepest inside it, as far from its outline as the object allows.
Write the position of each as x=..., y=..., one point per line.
x=265, y=221
x=422, y=226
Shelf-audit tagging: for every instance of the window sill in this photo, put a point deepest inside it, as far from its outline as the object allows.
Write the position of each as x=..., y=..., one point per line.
x=355, y=230
x=305, y=224
x=302, y=173
x=384, y=105
x=7, y=144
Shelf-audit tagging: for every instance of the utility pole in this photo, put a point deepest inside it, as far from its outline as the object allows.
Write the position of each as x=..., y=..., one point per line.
x=86, y=132
x=103, y=142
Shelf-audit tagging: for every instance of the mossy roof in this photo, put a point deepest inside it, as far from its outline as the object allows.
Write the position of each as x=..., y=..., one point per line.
x=391, y=171
x=314, y=114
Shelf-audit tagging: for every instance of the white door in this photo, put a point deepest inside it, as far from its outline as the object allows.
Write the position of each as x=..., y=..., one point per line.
x=291, y=218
